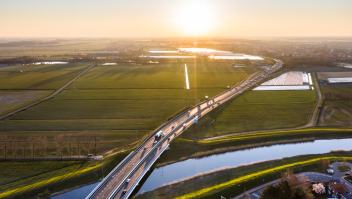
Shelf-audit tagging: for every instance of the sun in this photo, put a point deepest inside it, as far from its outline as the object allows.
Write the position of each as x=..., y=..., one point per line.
x=195, y=18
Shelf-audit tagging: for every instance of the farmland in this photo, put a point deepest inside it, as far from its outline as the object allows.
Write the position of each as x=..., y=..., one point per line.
x=337, y=105
x=256, y=110
x=13, y=99
x=39, y=77
x=123, y=102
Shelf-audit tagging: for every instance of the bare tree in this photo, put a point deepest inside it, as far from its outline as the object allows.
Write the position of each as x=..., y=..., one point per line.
x=326, y=164
x=343, y=162
x=15, y=142
x=42, y=144
x=5, y=143
x=86, y=142
x=96, y=139
x=23, y=144
x=33, y=144
x=78, y=140
x=60, y=143
x=70, y=144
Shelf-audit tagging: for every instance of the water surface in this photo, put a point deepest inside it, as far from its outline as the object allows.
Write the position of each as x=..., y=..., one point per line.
x=191, y=167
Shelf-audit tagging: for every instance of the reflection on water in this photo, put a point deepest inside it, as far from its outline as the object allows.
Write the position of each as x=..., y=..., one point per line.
x=52, y=62
x=79, y=193
x=191, y=167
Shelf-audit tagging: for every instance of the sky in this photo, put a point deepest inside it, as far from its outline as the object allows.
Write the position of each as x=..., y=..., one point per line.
x=171, y=18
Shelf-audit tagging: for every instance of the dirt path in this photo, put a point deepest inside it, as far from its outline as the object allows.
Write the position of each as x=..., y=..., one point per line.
x=327, y=120
x=310, y=124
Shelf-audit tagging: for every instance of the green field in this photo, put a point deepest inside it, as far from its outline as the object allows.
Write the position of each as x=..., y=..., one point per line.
x=13, y=99
x=336, y=107
x=40, y=77
x=122, y=98
x=256, y=110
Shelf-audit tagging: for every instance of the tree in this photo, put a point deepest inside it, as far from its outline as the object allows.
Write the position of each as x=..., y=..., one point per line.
x=86, y=142
x=343, y=162
x=70, y=144
x=320, y=162
x=23, y=144
x=319, y=188
x=326, y=164
x=271, y=192
x=96, y=139
x=33, y=144
x=42, y=144
x=60, y=144
x=78, y=140
x=290, y=177
x=14, y=146
x=5, y=143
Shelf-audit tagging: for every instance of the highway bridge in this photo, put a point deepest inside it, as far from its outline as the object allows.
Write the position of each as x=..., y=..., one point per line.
x=123, y=179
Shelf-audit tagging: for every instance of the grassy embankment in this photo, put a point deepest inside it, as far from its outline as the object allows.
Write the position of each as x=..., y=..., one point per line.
x=25, y=179
x=123, y=102
x=229, y=182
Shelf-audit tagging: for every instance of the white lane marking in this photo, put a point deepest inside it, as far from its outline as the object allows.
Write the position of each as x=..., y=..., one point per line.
x=186, y=73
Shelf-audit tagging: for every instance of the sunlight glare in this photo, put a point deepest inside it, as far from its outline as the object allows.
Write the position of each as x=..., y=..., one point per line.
x=195, y=18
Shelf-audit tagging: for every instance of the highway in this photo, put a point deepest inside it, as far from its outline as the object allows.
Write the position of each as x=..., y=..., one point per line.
x=50, y=96
x=122, y=180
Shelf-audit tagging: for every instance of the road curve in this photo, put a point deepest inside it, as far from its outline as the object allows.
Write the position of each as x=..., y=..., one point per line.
x=122, y=180
x=50, y=96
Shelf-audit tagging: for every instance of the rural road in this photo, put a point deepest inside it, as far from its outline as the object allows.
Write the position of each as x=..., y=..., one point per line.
x=122, y=180
x=309, y=124
x=50, y=96
x=313, y=176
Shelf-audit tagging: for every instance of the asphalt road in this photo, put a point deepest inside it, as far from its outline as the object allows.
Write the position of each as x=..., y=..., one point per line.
x=52, y=95
x=140, y=160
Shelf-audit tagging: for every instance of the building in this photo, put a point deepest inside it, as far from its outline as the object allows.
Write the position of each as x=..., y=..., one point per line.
x=346, y=196
x=337, y=189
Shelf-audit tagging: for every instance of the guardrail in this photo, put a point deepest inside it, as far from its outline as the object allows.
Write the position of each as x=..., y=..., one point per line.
x=144, y=172
x=179, y=116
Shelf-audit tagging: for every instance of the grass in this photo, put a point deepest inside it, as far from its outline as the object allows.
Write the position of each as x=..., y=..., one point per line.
x=11, y=100
x=343, y=168
x=256, y=110
x=40, y=77
x=229, y=182
x=53, y=175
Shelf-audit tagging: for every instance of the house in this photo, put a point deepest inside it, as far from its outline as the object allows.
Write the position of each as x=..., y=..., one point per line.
x=346, y=196
x=337, y=189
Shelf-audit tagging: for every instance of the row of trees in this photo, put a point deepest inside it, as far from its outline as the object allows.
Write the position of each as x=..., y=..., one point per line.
x=39, y=144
